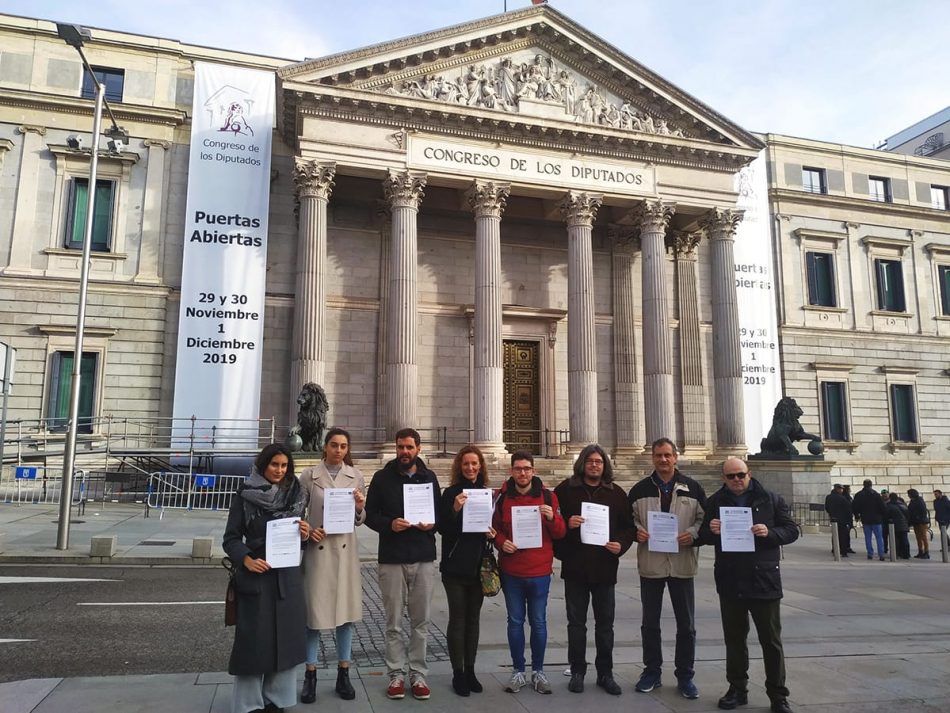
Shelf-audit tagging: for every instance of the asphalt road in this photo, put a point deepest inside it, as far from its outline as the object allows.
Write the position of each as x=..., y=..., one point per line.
x=112, y=627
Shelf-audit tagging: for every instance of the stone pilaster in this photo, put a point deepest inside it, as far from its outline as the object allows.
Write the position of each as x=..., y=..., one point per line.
x=653, y=217
x=580, y=211
x=314, y=183
x=720, y=227
x=625, y=242
x=384, y=224
x=693, y=408
x=487, y=199
x=23, y=240
x=403, y=191
x=152, y=210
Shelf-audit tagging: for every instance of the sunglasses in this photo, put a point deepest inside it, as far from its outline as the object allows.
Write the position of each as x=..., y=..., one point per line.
x=733, y=476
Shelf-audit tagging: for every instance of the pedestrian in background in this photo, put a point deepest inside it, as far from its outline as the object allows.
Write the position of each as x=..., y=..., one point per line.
x=839, y=511
x=897, y=516
x=918, y=517
x=868, y=507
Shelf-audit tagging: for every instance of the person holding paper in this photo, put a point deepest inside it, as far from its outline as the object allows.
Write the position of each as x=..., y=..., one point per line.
x=462, y=554
x=331, y=562
x=406, y=563
x=666, y=490
x=590, y=571
x=269, y=640
x=526, y=573
x=750, y=582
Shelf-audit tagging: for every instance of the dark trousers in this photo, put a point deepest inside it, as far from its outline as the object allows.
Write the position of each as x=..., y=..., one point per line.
x=577, y=595
x=902, y=546
x=465, y=599
x=844, y=537
x=683, y=601
x=768, y=626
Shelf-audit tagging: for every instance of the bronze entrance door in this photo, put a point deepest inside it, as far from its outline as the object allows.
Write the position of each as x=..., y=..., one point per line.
x=522, y=396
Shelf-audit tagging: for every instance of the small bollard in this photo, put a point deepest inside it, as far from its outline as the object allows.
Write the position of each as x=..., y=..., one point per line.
x=835, y=544
x=201, y=547
x=892, y=545
x=944, y=554
x=103, y=546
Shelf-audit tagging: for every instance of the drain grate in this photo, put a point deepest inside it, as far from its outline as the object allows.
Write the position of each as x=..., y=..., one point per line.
x=157, y=543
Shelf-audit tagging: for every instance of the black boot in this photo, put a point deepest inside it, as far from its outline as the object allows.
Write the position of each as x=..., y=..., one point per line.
x=343, y=686
x=309, y=692
x=473, y=683
x=460, y=683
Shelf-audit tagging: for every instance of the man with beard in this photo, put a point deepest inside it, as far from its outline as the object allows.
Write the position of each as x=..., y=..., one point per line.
x=406, y=563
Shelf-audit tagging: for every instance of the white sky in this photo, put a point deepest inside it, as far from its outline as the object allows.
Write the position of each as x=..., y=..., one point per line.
x=850, y=71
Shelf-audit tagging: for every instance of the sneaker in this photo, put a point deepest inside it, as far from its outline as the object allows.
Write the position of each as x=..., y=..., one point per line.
x=576, y=684
x=420, y=691
x=688, y=689
x=516, y=682
x=607, y=682
x=397, y=688
x=648, y=681
x=540, y=682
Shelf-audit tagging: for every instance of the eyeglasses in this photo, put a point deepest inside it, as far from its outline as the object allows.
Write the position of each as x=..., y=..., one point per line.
x=522, y=469
x=594, y=462
x=733, y=476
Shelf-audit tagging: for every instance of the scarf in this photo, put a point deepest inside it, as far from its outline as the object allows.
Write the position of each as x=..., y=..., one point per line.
x=260, y=494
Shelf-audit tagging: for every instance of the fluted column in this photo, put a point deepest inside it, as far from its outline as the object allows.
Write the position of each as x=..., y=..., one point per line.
x=693, y=407
x=579, y=211
x=403, y=190
x=625, y=242
x=653, y=217
x=314, y=182
x=720, y=226
x=487, y=199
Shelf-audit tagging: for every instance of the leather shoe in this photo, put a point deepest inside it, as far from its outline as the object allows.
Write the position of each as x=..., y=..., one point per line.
x=576, y=684
x=607, y=682
x=780, y=705
x=733, y=698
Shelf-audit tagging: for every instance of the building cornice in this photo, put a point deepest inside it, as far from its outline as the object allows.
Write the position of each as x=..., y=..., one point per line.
x=60, y=104
x=856, y=206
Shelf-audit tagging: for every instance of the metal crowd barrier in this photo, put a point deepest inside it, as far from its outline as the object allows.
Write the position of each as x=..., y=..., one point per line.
x=42, y=486
x=191, y=491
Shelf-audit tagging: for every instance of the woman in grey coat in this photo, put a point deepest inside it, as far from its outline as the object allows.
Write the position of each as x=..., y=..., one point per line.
x=269, y=639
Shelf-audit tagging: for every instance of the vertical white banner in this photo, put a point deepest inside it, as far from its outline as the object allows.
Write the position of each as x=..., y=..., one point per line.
x=755, y=287
x=221, y=323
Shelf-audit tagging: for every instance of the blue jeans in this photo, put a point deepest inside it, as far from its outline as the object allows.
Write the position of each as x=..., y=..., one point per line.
x=878, y=535
x=529, y=593
x=344, y=644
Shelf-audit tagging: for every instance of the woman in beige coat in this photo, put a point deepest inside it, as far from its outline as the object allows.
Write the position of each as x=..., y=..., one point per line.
x=332, y=564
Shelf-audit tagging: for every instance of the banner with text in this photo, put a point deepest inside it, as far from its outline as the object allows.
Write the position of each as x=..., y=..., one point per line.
x=755, y=286
x=221, y=324
x=506, y=164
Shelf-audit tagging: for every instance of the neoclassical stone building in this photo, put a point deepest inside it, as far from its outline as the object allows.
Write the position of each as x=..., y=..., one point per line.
x=505, y=232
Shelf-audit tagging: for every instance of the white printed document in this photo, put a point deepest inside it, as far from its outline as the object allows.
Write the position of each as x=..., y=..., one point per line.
x=664, y=529
x=735, y=530
x=282, y=545
x=477, y=510
x=526, y=526
x=417, y=504
x=595, y=530
x=339, y=511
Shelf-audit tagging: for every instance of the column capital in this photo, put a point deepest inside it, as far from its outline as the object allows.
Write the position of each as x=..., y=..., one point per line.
x=314, y=179
x=580, y=208
x=488, y=198
x=654, y=215
x=721, y=223
x=684, y=243
x=31, y=129
x=404, y=189
x=157, y=143
x=624, y=238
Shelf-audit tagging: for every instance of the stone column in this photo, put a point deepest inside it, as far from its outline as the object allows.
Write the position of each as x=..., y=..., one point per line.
x=403, y=190
x=314, y=182
x=653, y=217
x=720, y=226
x=382, y=221
x=690, y=339
x=579, y=211
x=625, y=242
x=23, y=240
x=151, y=244
x=487, y=199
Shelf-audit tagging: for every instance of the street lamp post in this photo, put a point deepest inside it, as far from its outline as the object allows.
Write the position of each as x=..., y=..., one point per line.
x=74, y=35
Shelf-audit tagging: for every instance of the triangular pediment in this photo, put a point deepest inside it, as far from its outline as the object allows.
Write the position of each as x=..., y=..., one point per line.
x=528, y=67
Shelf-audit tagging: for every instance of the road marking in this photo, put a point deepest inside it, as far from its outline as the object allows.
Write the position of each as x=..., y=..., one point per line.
x=141, y=604
x=49, y=580
x=15, y=641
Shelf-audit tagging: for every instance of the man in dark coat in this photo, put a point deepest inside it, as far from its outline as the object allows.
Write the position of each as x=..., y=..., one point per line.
x=941, y=509
x=868, y=507
x=750, y=582
x=590, y=571
x=839, y=510
x=897, y=516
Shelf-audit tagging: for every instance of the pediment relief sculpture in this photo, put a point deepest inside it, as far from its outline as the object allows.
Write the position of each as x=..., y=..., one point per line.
x=533, y=84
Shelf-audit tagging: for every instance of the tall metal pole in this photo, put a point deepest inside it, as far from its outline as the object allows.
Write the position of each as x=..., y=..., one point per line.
x=69, y=456
x=7, y=368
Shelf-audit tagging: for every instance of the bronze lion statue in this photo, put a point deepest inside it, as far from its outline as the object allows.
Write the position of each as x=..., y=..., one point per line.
x=311, y=417
x=785, y=429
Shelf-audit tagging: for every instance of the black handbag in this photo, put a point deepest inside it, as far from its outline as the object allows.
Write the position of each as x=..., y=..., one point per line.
x=230, y=594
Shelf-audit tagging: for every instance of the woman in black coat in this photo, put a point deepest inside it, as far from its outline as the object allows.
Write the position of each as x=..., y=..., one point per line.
x=461, y=559
x=269, y=639
x=919, y=521
x=897, y=516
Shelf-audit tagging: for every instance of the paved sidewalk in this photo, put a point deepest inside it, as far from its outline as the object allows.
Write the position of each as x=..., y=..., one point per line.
x=859, y=635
